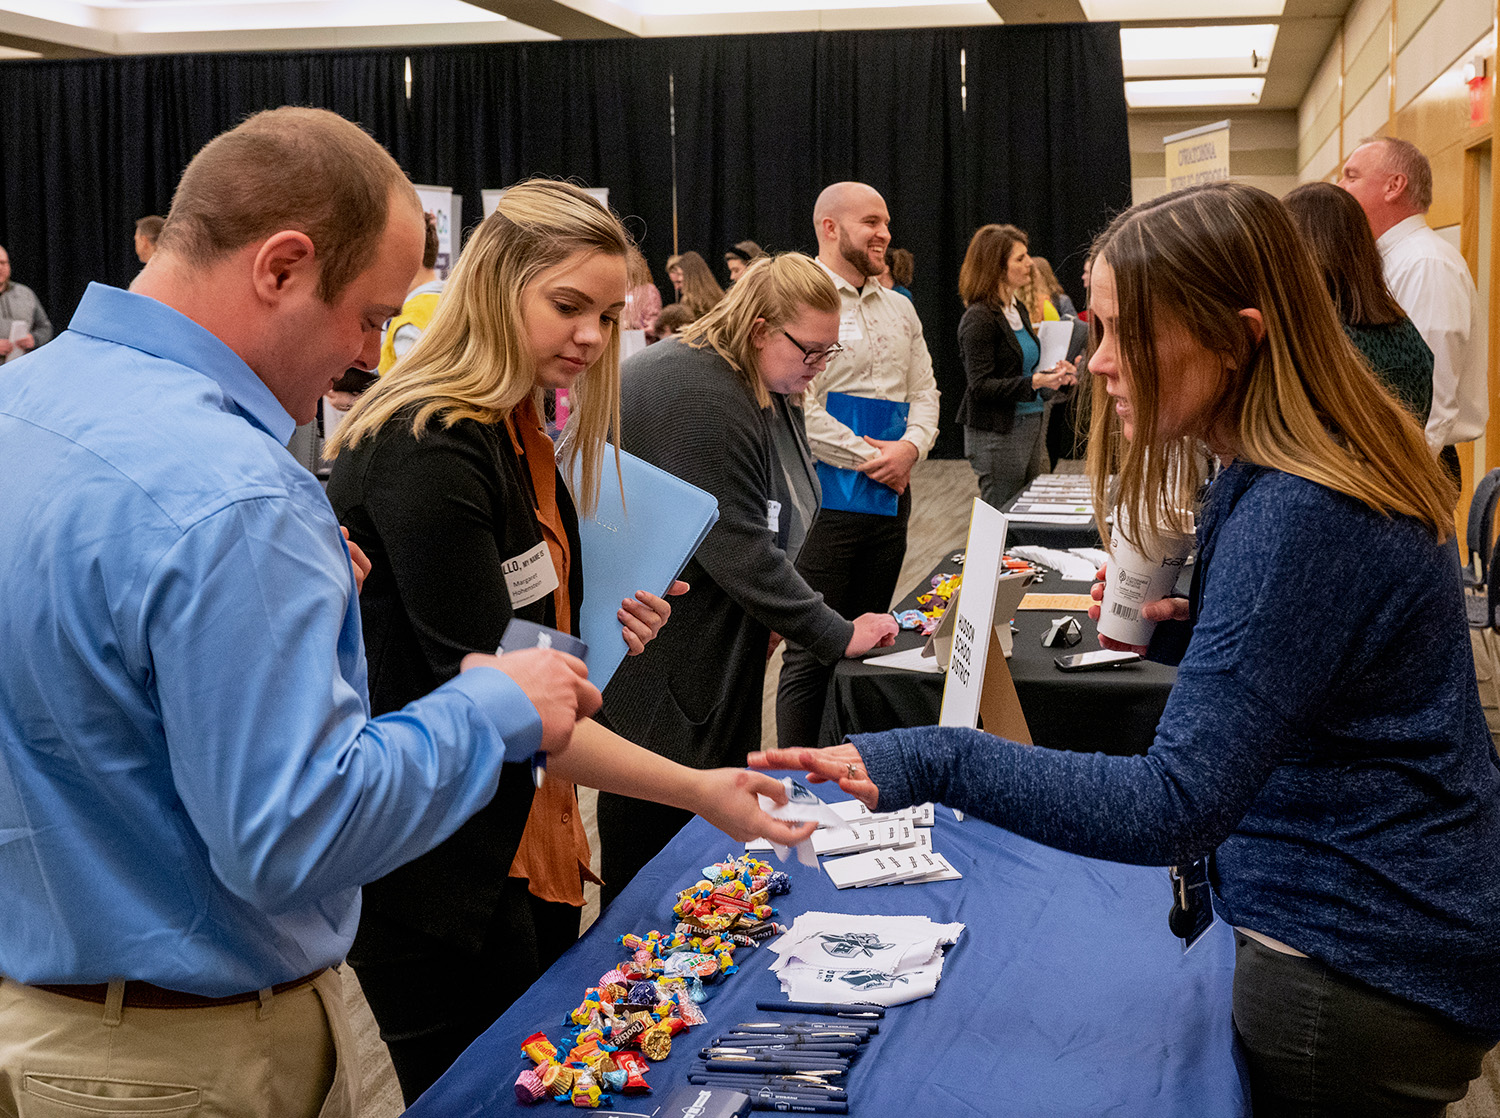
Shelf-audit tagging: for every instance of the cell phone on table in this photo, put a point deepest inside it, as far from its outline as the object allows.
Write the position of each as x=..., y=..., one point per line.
x=1095, y=661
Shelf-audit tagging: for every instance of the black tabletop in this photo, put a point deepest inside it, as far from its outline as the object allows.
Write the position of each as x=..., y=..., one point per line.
x=1023, y=533
x=1111, y=711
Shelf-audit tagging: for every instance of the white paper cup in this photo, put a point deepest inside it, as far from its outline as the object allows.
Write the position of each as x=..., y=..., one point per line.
x=1133, y=580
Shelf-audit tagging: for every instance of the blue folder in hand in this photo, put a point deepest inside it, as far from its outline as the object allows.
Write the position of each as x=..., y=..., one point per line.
x=850, y=490
x=640, y=545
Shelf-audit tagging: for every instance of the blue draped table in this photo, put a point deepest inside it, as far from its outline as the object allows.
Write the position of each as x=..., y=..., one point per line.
x=1066, y=995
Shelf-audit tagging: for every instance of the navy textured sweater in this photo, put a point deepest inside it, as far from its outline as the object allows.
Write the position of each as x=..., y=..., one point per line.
x=1325, y=739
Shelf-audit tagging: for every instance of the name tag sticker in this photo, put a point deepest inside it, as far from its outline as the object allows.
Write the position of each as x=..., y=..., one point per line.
x=530, y=576
x=849, y=329
x=773, y=515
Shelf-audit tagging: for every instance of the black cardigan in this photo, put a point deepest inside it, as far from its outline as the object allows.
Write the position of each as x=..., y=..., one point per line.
x=438, y=516
x=694, y=695
x=992, y=363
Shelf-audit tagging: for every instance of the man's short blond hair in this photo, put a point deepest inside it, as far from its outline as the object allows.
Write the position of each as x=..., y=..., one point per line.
x=308, y=170
x=1399, y=157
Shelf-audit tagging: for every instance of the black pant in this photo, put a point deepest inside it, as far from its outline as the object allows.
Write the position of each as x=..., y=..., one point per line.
x=431, y=999
x=1320, y=1045
x=853, y=559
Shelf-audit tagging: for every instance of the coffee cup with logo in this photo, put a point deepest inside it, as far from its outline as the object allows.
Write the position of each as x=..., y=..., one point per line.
x=1136, y=578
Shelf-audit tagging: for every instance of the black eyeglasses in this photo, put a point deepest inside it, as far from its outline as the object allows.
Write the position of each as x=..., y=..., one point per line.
x=811, y=356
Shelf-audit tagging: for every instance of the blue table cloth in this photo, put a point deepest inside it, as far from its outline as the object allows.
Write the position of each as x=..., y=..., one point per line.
x=1066, y=995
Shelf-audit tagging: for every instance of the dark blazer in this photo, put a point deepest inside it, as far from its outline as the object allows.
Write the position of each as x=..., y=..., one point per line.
x=992, y=364
x=694, y=695
x=439, y=516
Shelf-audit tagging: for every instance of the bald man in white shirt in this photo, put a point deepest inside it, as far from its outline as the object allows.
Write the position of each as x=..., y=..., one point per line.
x=1392, y=182
x=854, y=558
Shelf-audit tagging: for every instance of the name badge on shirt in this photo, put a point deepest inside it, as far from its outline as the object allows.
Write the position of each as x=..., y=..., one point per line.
x=849, y=330
x=773, y=515
x=530, y=576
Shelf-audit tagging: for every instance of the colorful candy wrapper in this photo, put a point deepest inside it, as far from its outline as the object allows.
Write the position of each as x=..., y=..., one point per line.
x=586, y=1092
x=538, y=1049
x=529, y=1088
x=656, y=1042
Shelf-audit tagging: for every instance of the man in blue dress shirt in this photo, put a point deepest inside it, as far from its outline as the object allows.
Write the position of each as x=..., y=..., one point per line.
x=192, y=789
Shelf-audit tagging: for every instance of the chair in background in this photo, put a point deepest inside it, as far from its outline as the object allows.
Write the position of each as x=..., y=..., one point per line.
x=1484, y=618
x=1479, y=534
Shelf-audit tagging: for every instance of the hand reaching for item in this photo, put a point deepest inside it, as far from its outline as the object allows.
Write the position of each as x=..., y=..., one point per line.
x=840, y=764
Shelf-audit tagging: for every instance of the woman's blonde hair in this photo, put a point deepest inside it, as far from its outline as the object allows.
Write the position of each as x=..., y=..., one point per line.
x=1300, y=399
x=473, y=360
x=774, y=288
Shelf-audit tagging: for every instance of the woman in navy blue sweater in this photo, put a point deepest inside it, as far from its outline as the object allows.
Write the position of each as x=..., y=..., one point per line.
x=1324, y=741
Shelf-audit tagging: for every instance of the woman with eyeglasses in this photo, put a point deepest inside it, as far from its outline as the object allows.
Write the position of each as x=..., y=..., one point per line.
x=718, y=406
x=1324, y=743
x=1002, y=409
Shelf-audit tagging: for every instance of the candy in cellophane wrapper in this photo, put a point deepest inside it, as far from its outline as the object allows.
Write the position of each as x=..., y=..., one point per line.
x=656, y=992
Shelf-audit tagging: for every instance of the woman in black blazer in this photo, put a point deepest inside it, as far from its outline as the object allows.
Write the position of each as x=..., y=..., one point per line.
x=1001, y=410
x=447, y=480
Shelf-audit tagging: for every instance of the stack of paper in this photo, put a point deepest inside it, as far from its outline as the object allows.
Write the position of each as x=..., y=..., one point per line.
x=843, y=958
x=1055, y=499
x=873, y=848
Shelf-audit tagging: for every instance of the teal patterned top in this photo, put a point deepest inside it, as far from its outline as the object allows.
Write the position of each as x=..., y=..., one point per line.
x=1400, y=359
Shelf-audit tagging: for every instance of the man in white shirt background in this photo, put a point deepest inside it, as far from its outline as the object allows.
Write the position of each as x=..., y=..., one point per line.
x=854, y=558
x=1392, y=181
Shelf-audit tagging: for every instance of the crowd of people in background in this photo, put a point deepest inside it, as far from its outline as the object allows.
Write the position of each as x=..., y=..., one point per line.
x=1306, y=344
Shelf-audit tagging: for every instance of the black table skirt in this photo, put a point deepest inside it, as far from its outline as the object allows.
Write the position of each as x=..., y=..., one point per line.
x=1110, y=711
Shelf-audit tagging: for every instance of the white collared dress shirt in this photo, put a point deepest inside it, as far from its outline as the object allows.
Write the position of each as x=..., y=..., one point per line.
x=884, y=357
x=1431, y=281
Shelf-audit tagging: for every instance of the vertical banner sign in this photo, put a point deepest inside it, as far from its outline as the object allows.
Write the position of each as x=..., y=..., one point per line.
x=438, y=200
x=1198, y=155
x=978, y=684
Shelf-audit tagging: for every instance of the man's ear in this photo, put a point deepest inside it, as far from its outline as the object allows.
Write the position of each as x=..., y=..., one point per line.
x=285, y=261
x=1395, y=187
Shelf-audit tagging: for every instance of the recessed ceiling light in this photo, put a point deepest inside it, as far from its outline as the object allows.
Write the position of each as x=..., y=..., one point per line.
x=1195, y=91
x=1164, y=52
x=1128, y=10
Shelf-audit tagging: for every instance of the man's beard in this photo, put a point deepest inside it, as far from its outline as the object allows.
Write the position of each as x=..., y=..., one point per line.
x=859, y=261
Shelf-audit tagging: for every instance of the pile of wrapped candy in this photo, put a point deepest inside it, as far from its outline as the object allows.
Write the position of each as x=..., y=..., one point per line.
x=934, y=604
x=632, y=1014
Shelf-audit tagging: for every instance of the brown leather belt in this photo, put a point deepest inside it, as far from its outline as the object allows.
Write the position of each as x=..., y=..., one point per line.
x=145, y=995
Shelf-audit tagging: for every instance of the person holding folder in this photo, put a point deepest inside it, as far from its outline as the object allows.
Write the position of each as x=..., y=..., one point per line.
x=1326, y=749
x=717, y=407
x=445, y=477
x=1002, y=410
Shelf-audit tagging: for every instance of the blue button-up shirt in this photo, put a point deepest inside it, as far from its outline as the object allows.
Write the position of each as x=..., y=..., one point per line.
x=192, y=788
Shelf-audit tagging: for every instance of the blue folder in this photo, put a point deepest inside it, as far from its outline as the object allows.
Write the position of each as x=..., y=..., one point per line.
x=850, y=490
x=640, y=545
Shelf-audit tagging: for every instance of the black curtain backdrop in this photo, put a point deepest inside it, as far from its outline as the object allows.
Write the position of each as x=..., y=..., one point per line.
x=763, y=123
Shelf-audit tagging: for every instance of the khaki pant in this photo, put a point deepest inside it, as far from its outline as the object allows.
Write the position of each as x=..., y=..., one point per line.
x=284, y=1056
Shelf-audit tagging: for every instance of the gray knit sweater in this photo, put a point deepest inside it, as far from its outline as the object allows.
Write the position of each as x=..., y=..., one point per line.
x=694, y=695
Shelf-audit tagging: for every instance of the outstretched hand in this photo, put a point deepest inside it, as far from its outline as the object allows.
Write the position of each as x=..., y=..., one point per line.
x=840, y=764
x=727, y=799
